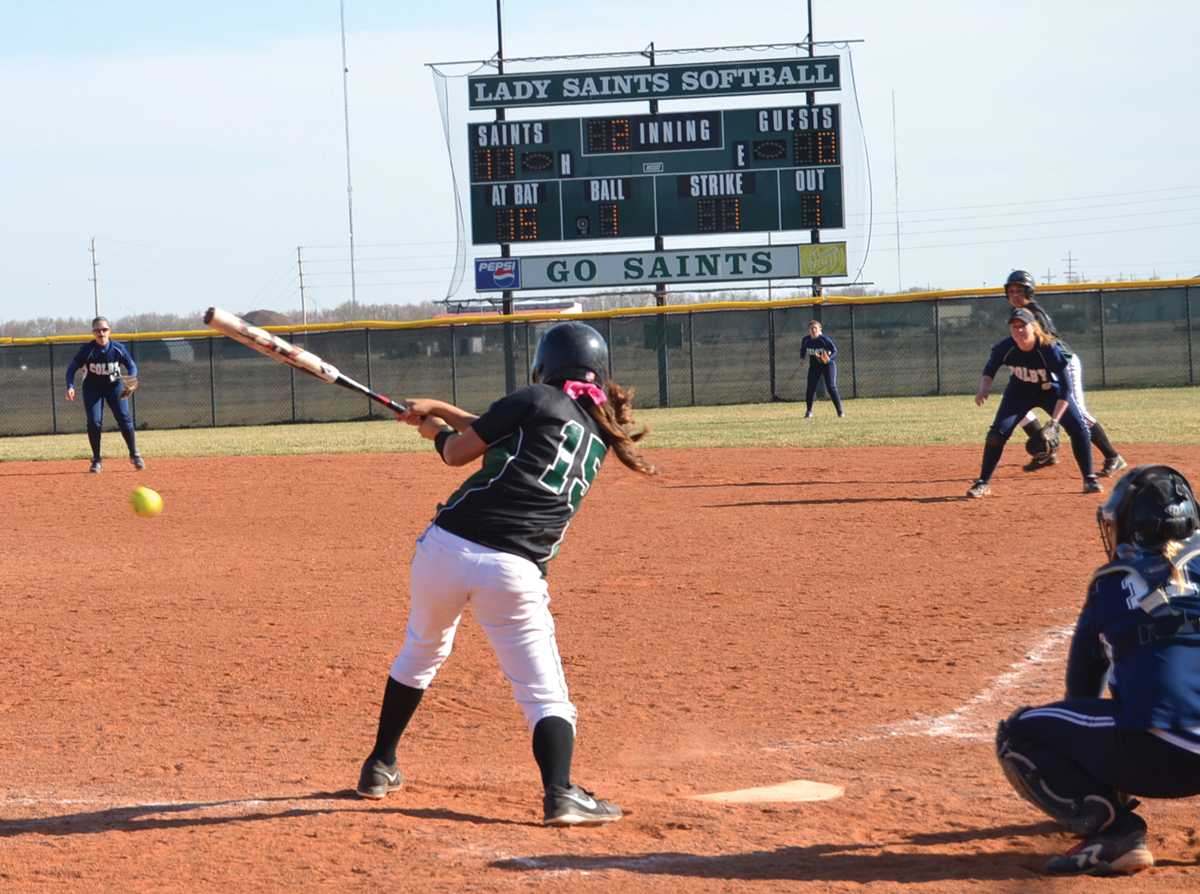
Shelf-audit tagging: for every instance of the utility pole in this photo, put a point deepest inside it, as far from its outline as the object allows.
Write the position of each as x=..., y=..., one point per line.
x=1070, y=267
x=506, y=297
x=1049, y=277
x=300, y=268
x=95, y=280
x=349, y=191
x=896, y=181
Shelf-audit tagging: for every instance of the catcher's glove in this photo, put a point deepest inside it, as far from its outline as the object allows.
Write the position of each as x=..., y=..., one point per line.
x=1052, y=435
x=129, y=384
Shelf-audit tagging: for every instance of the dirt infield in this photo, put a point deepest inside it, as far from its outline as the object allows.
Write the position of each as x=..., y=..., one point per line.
x=185, y=701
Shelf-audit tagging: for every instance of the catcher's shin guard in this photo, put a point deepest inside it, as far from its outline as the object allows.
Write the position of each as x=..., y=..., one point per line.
x=1080, y=816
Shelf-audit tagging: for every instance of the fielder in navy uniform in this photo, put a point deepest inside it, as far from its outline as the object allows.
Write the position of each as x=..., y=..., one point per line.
x=820, y=351
x=102, y=358
x=489, y=543
x=1081, y=759
x=1019, y=289
x=1038, y=380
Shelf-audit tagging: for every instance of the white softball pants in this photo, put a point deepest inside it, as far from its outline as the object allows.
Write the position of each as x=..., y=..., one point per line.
x=512, y=603
x=1075, y=386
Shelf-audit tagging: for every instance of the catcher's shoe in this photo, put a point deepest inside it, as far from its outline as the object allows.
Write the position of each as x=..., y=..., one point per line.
x=979, y=489
x=1118, y=850
x=1092, y=486
x=575, y=806
x=378, y=778
x=1041, y=461
x=1113, y=464
x=138, y=462
x=95, y=467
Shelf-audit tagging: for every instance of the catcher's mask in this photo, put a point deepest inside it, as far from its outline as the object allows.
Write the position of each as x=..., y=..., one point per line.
x=1150, y=506
x=1020, y=278
x=571, y=350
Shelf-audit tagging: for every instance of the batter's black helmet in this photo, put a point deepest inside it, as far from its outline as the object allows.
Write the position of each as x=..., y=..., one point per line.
x=1021, y=278
x=1149, y=506
x=571, y=350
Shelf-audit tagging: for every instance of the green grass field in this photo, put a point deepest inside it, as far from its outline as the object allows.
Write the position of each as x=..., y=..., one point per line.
x=1157, y=415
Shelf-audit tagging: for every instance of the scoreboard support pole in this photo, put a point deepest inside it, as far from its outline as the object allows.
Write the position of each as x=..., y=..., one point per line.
x=660, y=300
x=814, y=234
x=506, y=306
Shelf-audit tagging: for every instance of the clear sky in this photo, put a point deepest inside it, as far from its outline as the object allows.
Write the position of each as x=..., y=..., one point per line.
x=201, y=144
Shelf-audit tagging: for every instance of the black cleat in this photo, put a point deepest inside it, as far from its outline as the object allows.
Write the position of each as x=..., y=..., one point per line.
x=378, y=778
x=979, y=489
x=1113, y=464
x=1118, y=850
x=94, y=469
x=575, y=806
x=138, y=462
x=1092, y=486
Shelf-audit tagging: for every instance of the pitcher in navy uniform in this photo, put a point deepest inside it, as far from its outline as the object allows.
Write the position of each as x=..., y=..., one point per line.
x=1080, y=759
x=102, y=358
x=1038, y=380
x=820, y=351
x=489, y=543
x=1019, y=289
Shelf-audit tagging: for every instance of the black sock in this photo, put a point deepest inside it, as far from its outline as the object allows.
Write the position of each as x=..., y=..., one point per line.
x=130, y=437
x=1032, y=428
x=94, y=440
x=992, y=451
x=1100, y=439
x=399, y=704
x=553, y=745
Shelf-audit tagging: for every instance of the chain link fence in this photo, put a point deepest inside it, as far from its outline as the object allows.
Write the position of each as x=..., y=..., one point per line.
x=1129, y=337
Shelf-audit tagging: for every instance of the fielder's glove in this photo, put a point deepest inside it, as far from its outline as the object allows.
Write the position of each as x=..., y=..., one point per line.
x=1052, y=435
x=129, y=384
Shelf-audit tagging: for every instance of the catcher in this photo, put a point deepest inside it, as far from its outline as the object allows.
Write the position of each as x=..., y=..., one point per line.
x=102, y=358
x=1079, y=759
x=1038, y=380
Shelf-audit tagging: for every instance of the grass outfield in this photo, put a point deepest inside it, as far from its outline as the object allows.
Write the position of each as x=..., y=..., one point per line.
x=1155, y=415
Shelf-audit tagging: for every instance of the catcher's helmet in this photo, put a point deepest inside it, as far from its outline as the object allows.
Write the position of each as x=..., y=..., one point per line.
x=571, y=350
x=1149, y=506
x=1021, y=278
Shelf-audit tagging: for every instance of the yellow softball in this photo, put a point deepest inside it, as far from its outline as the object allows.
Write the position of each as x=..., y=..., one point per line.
x=146, y=502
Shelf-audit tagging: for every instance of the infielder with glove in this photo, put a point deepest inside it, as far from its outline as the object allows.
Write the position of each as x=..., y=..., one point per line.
x=1080, y=759
x=1038, y=380
x=103, y=358
x=820, y=351
x=489, y=544
x=1019, y=290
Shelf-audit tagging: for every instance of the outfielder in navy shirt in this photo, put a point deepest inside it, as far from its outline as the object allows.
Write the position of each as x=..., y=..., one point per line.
x=1080, y=759
x=1038, y=379
x=820, y=351
x=102, y=359
x=489, y=544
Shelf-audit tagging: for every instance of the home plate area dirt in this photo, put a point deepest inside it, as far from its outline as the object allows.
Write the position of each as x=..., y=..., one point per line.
x=788, y=667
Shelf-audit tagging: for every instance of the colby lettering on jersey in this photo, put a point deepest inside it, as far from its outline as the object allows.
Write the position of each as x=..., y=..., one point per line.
x=112, y=370
x=1025, y=374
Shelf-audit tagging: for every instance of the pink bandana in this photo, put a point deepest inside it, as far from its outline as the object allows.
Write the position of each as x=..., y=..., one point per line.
x=575, y=390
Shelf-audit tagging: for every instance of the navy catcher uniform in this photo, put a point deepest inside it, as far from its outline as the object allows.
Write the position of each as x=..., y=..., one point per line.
x=1038, y=380
x=490, y=542
x=1081, y=758
x=103, y=358
x=822, y=364
x=1019, y=289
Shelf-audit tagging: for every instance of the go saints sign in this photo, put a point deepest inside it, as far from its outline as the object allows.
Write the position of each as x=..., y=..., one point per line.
x=756, y=262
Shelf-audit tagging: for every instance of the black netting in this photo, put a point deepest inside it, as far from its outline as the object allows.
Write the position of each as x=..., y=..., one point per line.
x=248, y=388
x=479, y=363
x=177, y=392
x=731, y=361
x=319, y=401
x=1194, y=335
x=1145, y=338
x=967, y=329
x=633, y=348
x=31, y=390
x=895, y=350
x=411, y=363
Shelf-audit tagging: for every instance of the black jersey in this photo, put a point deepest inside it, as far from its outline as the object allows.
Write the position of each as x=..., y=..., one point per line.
x=544, y=450
x=1047, y=323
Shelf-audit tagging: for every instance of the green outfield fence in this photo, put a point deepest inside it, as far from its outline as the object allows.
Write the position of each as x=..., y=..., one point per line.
x=1128, y=335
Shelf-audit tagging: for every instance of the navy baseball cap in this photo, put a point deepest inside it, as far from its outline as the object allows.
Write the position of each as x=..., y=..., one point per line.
x=1020, y=313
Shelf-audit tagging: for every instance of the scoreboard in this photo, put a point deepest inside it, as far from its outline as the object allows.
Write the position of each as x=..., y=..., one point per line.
x=682, y=173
